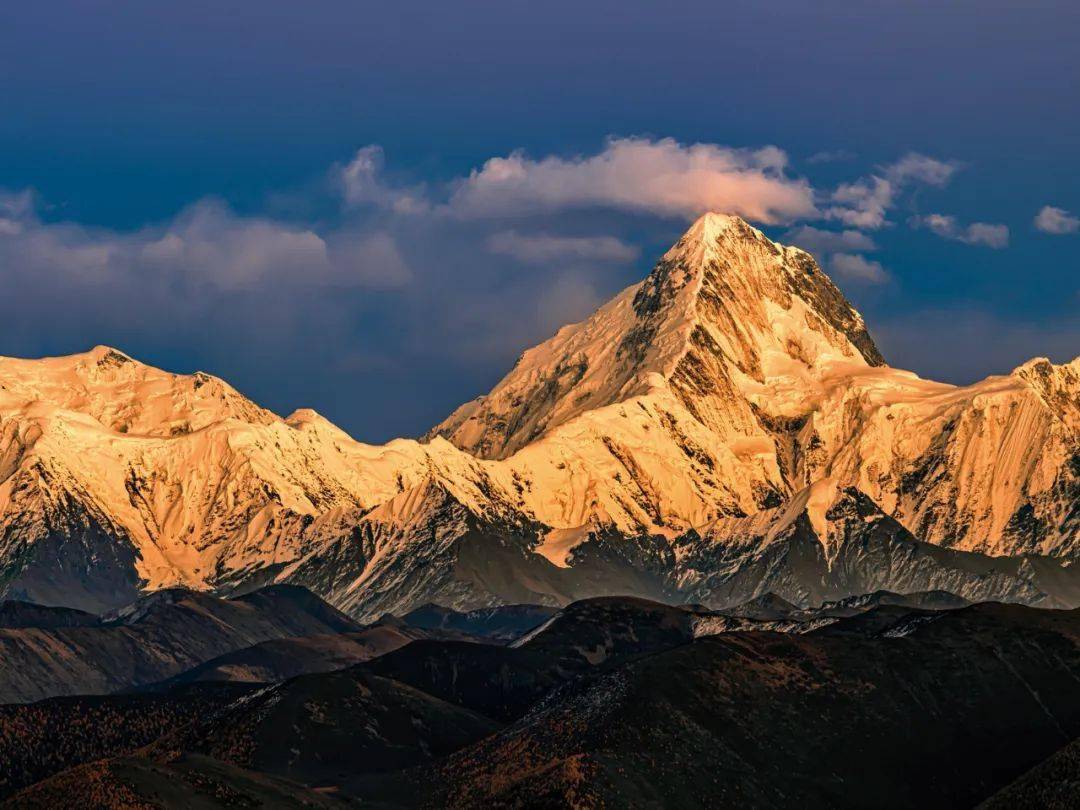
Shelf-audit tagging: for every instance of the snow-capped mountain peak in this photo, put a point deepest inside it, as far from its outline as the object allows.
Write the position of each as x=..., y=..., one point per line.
x=699, y=243
x=725, y=311
x=725, y=425
x=123, y=395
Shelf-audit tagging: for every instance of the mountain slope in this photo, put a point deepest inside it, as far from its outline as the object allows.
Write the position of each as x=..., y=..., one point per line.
x=185, y=781
x=281, y=658
x=1051, y=785
x=613, y=702
x=942, y=717
x=40, y=739
x=155, y=638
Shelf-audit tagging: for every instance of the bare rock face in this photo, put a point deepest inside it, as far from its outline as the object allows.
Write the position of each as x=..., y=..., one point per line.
x=724, y=428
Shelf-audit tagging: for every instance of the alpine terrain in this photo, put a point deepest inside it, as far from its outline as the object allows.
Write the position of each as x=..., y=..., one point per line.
x=722, y=430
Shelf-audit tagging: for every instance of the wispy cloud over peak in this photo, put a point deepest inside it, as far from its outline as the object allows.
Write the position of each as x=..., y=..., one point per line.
x=662, y=177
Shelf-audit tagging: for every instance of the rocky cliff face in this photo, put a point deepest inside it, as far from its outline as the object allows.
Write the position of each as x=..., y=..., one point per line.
x=724, y=428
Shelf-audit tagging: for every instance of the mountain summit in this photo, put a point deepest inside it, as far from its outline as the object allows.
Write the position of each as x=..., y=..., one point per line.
x=725, y=310
x=722, y=429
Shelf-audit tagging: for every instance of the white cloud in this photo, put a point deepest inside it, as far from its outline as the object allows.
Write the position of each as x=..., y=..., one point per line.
x=977, y=233
x=865, y=203
x=819, y=242
x=854, y=267
x=914, y=167
x=545, y=248
x=362, y=184
x=1057, y=221
x=661, y=177
x=983, y=233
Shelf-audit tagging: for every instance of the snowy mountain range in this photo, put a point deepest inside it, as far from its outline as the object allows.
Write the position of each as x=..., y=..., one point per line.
x=723, y=429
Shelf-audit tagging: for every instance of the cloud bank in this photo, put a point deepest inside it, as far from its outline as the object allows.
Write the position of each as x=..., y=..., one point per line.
x=661, y=177
x=205, y=248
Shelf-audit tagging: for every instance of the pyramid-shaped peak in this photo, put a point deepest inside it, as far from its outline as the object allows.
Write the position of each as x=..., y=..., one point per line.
x=725, y=311
x=709, y=230
x=713, y=225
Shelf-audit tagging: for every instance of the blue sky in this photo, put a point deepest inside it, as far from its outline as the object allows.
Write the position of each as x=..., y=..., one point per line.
x=298, y=197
